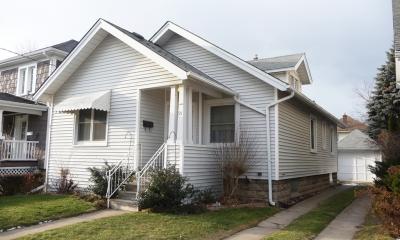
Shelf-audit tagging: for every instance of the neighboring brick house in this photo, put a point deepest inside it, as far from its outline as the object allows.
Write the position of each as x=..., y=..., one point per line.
x=23, y=122
x=351, y=124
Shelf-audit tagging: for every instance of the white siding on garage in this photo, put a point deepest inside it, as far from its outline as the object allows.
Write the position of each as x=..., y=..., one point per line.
x=353, y=165
x=114, y=66
x=295, y=157
x=202, y=168
x=252, y=90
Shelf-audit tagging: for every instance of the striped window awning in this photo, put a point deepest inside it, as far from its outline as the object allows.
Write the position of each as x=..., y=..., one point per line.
x=98, y=101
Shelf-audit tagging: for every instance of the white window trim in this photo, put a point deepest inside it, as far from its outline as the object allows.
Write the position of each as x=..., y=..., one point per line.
x=313, y=118
x=27, y=66
x=89, y=143
x=215, y=103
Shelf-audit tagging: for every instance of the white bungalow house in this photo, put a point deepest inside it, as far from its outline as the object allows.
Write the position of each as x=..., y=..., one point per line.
x=170, y=100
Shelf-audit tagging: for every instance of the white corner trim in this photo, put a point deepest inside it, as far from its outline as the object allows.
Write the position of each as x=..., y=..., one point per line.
x=169, y=26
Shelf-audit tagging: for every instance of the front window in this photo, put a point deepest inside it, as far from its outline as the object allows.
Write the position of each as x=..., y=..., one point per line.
x=313, y=134
x=222, y=124
x=26, y=80
x=92, y=125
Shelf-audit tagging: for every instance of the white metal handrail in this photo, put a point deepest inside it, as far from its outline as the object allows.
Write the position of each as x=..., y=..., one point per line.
x=156, y=162
x=117, y=176
x=18, y=150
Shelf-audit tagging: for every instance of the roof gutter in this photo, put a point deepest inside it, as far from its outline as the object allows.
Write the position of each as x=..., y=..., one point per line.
x=269, y=160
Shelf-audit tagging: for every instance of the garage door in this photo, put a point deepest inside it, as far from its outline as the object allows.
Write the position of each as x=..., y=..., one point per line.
x=353, y=166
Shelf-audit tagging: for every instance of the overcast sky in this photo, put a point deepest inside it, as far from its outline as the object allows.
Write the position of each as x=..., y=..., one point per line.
x=344, y=40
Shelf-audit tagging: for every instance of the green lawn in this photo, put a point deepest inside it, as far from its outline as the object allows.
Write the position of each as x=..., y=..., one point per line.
x=21, y=210
x=310, y=224
x=143, y=225
x=372, y=229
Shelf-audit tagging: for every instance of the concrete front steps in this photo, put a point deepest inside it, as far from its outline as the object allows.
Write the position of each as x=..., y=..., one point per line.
x=126, y=199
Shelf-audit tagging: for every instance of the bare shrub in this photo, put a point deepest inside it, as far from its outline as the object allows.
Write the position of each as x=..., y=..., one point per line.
x=64, y=184
x=235, y=160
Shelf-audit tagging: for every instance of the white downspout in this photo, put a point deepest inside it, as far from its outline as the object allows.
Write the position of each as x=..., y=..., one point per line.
x=269, y=143
x=50, y=106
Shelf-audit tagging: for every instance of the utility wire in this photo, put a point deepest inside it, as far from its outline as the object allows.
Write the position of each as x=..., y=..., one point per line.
x=24, y=56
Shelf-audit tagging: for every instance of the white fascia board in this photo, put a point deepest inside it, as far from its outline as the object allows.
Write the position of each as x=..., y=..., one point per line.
x=53, y=77
x=304, y=59
x=101, y=24
x=169, y=26
x=22, y=107
x=37, y=55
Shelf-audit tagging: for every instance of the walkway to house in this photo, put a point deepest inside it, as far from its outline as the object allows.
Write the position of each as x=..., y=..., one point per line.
x=285, y=217
x=59, y=223
x=345, y=225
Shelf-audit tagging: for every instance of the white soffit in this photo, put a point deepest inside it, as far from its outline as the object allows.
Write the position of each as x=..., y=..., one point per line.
x=98, y=101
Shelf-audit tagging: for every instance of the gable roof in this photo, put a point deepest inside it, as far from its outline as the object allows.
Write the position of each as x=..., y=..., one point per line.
x=97, y=33
x=274, y=63
x=293, y=62
x=169, y=28
x=357, y=140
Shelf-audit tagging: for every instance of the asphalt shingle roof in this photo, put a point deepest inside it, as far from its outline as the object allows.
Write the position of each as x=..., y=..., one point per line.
x=13, y=98
x=67, y=46
x=357, y=140
x=280, y=62
x=165, y=54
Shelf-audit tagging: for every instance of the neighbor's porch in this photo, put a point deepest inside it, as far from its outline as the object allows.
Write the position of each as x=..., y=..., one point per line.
x=22, y=136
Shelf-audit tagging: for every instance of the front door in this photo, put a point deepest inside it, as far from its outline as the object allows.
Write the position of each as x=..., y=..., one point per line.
x=21, y=127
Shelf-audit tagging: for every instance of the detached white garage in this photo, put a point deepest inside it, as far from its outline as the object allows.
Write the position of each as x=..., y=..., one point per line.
x=357, y=152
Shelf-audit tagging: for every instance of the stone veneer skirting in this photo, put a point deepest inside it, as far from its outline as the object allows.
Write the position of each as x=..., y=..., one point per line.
x=285, y=191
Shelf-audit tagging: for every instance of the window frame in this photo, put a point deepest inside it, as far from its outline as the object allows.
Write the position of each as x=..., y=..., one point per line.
x=332, y=140
x=90, y=142
x=33, y=83
x=315, y=135
x=324, y=135
x=207, y=123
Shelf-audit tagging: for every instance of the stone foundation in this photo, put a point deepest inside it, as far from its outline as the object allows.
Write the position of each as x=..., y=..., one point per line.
x=285, y=191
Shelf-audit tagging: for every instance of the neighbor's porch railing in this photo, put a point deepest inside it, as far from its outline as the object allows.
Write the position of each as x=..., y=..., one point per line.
x=17, y=150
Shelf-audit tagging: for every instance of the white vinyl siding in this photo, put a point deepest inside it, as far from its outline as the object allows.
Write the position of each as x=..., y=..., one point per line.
x=252, y=90
x=295, y=157
x=202, y=168
x=151, y=109
x=111, y=66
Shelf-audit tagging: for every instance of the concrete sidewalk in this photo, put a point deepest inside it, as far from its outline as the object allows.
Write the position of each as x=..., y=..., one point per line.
x=59, y=223
x=285, y=217
x=345, y=225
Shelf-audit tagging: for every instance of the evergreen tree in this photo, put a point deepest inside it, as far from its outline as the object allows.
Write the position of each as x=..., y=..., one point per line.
x=384, y=104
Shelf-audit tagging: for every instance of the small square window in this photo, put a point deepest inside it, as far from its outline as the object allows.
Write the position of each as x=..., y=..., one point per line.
x=92, y=125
